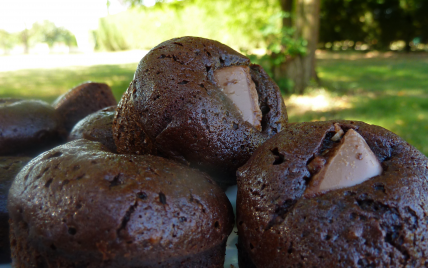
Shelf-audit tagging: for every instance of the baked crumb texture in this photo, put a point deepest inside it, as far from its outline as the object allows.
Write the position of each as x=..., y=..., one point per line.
x=79, y=205
x=380, y=222
x=175, y=108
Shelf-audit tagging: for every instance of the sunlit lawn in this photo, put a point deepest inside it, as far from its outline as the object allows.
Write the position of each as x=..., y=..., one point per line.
x=389, y=90
x=48, y=84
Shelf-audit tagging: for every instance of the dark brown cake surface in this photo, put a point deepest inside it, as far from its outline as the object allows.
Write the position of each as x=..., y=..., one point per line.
x=381, y=222
x=9, y=167
x=28, y=127
x=79, y=205
x=96, y=127
x=83, y=100
x=174, y=108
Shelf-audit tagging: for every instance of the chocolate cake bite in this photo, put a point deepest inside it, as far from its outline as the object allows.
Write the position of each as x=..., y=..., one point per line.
x=9, y=166
x=28, y=127
x=333, y=194
x=83, y=100
x=79, y=205
x=198, y=101
x=96, y=127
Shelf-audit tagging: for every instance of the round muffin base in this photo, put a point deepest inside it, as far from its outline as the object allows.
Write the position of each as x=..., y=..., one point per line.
x=25, y=255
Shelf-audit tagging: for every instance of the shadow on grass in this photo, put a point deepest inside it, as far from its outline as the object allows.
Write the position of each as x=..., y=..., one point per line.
x=48, y=84
x=405, y=116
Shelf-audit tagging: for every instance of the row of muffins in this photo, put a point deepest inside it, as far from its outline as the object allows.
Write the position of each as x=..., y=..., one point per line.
x=30, y=127
x=82, y=205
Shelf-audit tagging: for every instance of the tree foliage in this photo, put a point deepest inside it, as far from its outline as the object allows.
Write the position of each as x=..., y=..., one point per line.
x=232, y=22
x=47, y=32
x=242, y=24
x=8, y=41
x=376, y=22
x=40, y=32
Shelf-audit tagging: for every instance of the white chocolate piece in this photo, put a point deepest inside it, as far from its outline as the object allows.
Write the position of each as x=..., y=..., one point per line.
x=236, y=83
x=352, y=163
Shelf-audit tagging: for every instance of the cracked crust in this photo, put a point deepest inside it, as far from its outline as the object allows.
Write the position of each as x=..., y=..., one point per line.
x=378, y=223
x=174, y=108
x=79, y=205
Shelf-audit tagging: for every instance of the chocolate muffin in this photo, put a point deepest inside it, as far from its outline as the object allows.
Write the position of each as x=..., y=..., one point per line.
x=28, y=127
x=196, y=100
x=96, y=127
x=333, y=194
x=9, y=166
x=78, y=205
x=83, y=100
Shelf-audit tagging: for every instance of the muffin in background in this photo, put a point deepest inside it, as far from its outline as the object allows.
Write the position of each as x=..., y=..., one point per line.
x=81, y=101
x=28, y=127
x=96, y=127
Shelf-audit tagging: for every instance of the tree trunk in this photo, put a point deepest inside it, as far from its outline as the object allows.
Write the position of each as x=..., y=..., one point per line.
x=301, y=69
x=287, y=6
x=280, y=71
x=307, y=27
x=408, y=35
x=25, y=41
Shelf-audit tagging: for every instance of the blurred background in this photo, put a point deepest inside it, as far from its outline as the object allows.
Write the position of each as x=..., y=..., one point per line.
x=350, y=59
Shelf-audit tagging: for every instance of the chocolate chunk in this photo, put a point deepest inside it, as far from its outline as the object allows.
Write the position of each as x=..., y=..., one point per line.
x=351, y=163
x=237, y=85
x=316, y=164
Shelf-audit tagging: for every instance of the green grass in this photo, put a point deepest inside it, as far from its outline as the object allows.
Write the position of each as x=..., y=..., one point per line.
x=48, y=84
x=390, y=91
x=385, y=75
